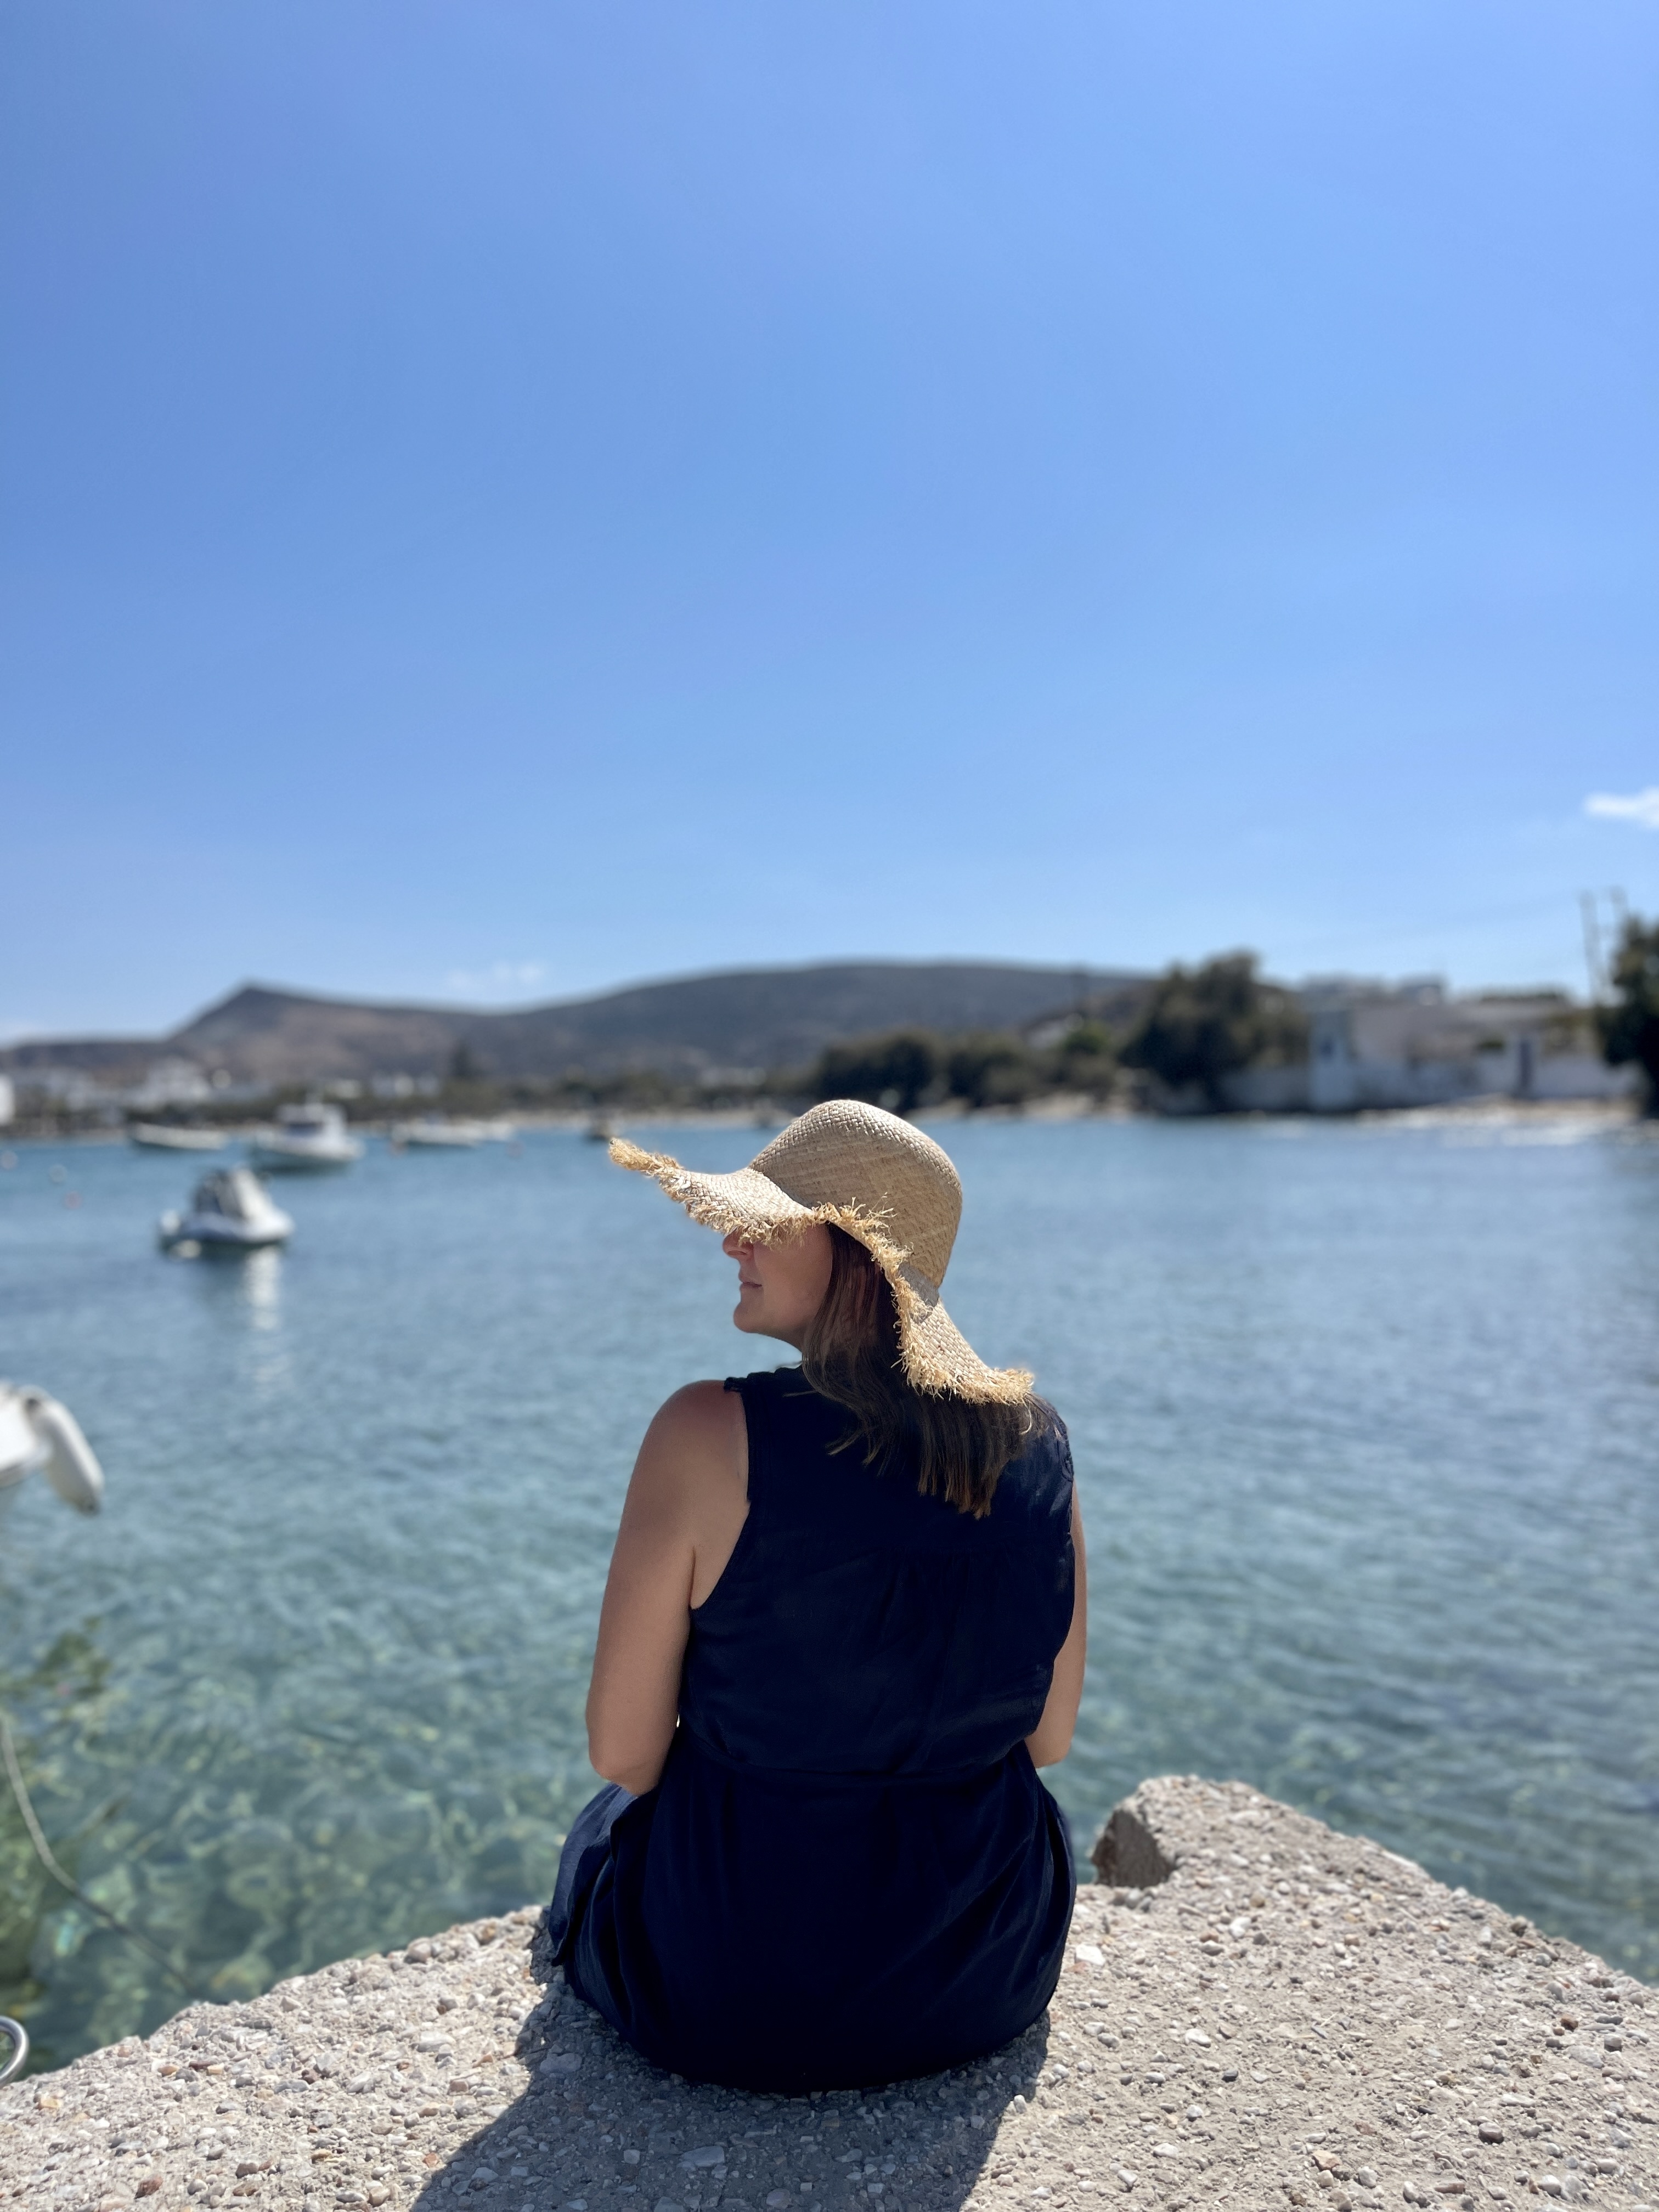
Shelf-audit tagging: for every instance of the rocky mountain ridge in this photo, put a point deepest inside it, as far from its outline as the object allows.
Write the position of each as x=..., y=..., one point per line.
x=686, y=1027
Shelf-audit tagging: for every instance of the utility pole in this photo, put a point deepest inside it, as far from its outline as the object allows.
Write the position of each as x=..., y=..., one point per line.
x=1588, y=908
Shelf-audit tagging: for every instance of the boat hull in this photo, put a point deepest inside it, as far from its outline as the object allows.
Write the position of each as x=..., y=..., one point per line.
x=157, y=1137
x=281, y=1156
x=210, y=1233
x=230, y=1212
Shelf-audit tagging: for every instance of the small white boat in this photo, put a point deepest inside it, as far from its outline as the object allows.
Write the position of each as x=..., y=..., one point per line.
x=310, y=1136
x=231, y=1211
x=171, y=1137
x=36, y=1431
x=436, y=1132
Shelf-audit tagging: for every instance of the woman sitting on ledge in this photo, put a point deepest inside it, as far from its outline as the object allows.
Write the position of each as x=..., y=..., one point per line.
x=844, y=1626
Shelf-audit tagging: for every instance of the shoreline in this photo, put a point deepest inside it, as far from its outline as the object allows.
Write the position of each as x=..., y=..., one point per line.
x=1254, y=2010
x=1487, y=1110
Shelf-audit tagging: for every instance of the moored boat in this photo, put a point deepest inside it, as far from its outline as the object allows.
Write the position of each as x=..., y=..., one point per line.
x=174, y=1137
x=37, y=1431
x=230, y=1212
x=314, y=1135
x=436, y=1132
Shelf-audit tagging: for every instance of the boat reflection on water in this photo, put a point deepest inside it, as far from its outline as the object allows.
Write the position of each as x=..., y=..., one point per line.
x=260, y=1283
x=243, y=1309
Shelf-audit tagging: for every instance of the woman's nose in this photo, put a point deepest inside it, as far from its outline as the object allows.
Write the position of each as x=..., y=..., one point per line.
x=736, y=1247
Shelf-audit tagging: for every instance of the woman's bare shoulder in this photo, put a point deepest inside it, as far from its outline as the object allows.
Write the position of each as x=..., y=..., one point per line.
x=699, y=1430
x=697, y=1408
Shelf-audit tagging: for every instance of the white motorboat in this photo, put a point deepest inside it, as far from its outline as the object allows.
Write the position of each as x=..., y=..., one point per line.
x=173, y=1137
x=231, y=1211
x=310, y=1136
x=436, y=1132
x=36, y=1431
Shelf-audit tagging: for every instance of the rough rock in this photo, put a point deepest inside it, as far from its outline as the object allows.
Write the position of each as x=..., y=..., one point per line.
x=1290, y=2017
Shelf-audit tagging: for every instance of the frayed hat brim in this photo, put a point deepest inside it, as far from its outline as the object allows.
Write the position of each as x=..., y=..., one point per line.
x=936, y=1355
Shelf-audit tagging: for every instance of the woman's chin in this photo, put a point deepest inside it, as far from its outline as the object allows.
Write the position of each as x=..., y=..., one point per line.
x=753, y=1322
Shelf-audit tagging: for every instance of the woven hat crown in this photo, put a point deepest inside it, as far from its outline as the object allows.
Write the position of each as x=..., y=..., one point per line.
x=854, y=1168
x=847, y=1154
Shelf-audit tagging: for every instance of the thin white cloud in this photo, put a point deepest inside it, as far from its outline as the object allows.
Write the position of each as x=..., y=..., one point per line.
x=1641, y=807
x=504, y=975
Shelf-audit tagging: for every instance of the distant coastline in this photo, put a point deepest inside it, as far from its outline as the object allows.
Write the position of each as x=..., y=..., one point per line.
x=931, y=1037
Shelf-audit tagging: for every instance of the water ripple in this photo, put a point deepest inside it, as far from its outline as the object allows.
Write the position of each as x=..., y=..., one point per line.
x=1365, y=1426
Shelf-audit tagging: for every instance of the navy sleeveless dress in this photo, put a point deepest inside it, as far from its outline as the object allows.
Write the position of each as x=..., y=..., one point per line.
x=848, y=1872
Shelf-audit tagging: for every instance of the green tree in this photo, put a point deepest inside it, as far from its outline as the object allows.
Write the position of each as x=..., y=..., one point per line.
x=1630, y=1026
x=897, y=1071
x=991, y=1070
x=1202, y=1024
x=1087, y=1059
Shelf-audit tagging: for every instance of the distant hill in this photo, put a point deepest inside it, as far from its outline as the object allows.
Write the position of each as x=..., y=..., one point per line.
x=759, y=1018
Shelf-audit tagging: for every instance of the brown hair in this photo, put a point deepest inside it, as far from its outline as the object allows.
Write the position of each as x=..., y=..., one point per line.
x=851, y=1355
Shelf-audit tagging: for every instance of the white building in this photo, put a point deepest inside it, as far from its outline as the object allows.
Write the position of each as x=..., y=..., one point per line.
x=1375, y=1045
x=174, y=1082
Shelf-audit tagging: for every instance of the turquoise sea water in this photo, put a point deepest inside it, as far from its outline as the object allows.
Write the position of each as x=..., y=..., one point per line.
x=1366, y=1420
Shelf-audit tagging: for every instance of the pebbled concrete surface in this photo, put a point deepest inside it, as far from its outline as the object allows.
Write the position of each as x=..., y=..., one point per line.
x=1275, y=2015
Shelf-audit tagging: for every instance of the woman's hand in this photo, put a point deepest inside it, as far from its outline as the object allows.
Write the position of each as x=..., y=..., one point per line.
x=686, y=1505
x=1051, y=1739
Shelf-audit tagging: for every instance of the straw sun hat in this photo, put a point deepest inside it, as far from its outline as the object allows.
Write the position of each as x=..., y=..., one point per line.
x=884, y=1183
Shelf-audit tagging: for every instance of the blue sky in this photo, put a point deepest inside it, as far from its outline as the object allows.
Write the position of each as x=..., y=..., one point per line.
x=501, y=499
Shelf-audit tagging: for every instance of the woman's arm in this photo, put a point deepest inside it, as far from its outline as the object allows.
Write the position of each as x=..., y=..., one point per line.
x=686, y=1505
x=1051, y=1739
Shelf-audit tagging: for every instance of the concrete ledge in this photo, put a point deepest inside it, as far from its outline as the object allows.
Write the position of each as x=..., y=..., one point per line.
x=1258, y=2013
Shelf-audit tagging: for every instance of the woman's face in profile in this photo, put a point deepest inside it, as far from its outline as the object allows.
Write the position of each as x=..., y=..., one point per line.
x=781, y=1286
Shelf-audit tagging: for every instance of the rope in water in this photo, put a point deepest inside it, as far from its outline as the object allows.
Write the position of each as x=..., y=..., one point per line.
x=43, y=1851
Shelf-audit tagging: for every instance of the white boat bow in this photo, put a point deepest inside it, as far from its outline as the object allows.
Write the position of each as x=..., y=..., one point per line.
x=36, y=1431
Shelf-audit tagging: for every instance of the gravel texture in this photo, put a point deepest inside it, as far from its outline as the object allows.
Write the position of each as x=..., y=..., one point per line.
x=1274, y=2014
